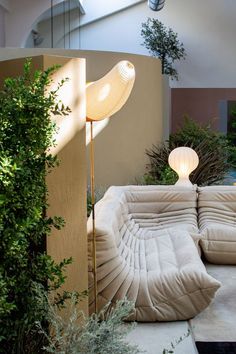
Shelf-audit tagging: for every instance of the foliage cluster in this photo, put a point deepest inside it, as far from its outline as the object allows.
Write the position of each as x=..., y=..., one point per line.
x=26, y=134
x=231, y=136
x=163, y=43
x=216, y=155
x=100, y=333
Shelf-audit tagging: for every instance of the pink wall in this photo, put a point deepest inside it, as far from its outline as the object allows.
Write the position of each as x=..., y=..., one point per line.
x=200, y=104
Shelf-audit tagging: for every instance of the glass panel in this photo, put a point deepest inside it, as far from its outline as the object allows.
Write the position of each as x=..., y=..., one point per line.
x=55, y=27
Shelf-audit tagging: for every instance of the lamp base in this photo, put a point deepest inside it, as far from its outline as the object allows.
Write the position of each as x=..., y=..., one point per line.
x=184, y=182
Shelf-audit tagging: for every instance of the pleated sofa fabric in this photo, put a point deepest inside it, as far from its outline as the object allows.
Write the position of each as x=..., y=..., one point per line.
x=217, y=223
x=145, y=252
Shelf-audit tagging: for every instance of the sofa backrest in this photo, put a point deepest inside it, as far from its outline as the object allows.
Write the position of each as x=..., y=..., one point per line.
x=217, y=205
x=160, y=199
x=157, y=207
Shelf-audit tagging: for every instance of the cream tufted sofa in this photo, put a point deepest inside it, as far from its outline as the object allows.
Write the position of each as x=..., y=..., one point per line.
x=147, y=247
x=217, y=223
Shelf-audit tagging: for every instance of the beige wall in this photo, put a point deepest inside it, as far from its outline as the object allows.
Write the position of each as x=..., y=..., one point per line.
x=120, y=147
x=66, y=183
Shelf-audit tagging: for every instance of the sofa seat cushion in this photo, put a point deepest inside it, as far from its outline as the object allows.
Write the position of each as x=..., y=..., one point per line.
x=217, y=223
x=154, y=264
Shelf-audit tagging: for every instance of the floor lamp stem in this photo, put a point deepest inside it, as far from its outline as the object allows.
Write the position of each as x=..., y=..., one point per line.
x=93, y=216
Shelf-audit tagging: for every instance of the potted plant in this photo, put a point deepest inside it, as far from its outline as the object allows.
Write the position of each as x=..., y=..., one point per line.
x=163, y=43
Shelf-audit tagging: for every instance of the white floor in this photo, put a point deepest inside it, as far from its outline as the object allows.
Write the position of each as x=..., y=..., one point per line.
x=215, y=323
x=153, y=338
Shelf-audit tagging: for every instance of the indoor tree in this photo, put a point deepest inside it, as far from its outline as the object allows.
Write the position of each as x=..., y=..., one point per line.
x=163, y=43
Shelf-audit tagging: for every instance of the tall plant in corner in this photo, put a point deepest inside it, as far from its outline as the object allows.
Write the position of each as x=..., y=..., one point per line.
x=26, y=134
x=163, y=43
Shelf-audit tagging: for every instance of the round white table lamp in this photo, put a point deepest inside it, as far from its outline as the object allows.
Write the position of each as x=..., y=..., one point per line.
x=183, y=160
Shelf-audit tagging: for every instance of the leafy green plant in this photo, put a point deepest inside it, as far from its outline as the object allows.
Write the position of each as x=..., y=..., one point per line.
x=100, y=333
x=213, y=148
x=26, y=134
x=231, y=136
x=164, y=44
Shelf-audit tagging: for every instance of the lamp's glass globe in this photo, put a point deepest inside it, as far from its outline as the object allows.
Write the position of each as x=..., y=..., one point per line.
x=183, y=160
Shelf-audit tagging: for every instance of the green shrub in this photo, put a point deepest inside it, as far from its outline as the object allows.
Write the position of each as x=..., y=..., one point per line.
x=26, y=134
x=213, y=148
x=231, y=136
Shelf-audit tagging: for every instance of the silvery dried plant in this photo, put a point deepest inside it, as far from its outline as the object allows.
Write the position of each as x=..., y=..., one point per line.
x=98, y=334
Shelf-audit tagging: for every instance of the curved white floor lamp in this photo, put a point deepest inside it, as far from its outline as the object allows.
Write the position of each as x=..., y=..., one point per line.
x=104, y=98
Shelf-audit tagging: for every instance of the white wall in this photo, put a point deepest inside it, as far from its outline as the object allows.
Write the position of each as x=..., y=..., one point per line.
x=97, y=30
x=44, y=28
x=2, y=26
x=23, y=14
x=120, y=32
x=21, y=17
x=207, y=29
